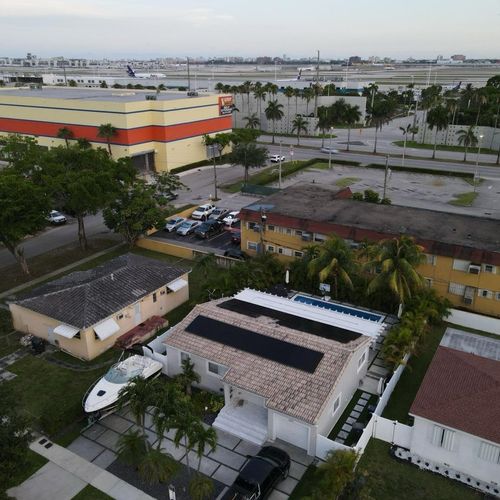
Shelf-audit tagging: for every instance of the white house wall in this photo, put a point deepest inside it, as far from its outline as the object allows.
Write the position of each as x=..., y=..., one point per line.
x=465, y=454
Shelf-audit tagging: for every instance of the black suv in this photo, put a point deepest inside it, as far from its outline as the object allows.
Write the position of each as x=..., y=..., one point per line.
x=259, y=475
x=209, y=228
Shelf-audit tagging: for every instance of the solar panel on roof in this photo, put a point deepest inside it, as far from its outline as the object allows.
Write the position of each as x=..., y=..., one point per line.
x=266, y=347
x=290, y=321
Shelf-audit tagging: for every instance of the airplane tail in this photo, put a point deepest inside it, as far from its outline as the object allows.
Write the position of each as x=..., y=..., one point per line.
x=458, y=86
x=299, y=75
x=130, y=71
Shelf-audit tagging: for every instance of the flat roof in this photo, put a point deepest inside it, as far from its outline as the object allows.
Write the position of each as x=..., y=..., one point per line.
x=314, y=203
x=91, y=94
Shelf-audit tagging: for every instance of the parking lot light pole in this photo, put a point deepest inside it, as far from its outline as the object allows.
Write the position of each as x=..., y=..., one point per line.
x=476, y=172
x=279, y=171
x=330, y=150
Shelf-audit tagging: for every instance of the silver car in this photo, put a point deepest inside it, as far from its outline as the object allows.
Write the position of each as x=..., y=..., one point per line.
x=174, y=223
x=188, y=227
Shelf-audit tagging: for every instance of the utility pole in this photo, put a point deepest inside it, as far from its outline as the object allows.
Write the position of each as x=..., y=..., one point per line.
x=189, y=76
x=279, y=171
x=385, y=175
x=414, y=121
x=316, y=88
x=64, y=70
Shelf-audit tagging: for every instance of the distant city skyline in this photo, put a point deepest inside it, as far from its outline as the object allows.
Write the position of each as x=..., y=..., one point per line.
x=155, y=28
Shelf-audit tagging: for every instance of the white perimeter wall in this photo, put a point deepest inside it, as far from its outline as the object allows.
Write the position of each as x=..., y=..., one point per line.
x=475, y=321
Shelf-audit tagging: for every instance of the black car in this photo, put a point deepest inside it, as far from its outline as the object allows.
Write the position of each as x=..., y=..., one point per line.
x=235, y=253
x=209, y=228
x=260, y=475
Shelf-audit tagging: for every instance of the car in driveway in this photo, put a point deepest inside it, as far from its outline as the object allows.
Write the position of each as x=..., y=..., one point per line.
x=219, y=213
x=276, y=158
x=56, y=218
x=203, y=212
x=208, y=229
x=188, y=227
x=231, y=218
x=329, y=150
x=174, y=223
x=236, y=253
x=260, y=475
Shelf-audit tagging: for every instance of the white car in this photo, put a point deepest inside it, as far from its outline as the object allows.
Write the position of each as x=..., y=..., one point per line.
x=218, y=214
x=203, y=212
x=329, y=150
x=276, y=158
x=231, y=218
x=174, y=223
x=188, y=227
x=56, y=217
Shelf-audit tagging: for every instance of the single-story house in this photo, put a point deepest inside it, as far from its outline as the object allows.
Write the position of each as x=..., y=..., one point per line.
x=86, y=312
x=457, y=411
x=287, y=368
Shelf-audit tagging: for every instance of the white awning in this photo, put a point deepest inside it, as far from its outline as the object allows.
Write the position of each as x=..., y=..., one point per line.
x=177, y=285
x=106, y=328
x=66, y=331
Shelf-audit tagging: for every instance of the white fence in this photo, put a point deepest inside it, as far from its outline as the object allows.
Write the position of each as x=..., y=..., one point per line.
x=389, y=388
x=324, y=445
x=159, y=350
x=475, y=321
x=391, y=431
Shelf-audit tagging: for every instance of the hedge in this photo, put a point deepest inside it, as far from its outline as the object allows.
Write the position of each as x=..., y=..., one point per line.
x=417, y=170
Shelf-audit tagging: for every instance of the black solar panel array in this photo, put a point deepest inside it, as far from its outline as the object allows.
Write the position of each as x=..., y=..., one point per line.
x=266, y=347
x=290, y=321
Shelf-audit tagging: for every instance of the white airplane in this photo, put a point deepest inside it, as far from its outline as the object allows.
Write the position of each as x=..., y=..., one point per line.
x=133, y=74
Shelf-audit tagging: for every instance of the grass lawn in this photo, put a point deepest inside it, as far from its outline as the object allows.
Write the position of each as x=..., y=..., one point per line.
x=306, y=484
x=390, y=479
x=33, y=462
x=442, y=147
x=347, y=181
x=409, y=383
x=91, y=493
x=463, y=199
x=9, y=339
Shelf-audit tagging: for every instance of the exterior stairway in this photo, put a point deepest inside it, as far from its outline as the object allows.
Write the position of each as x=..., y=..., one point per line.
x=246, y=421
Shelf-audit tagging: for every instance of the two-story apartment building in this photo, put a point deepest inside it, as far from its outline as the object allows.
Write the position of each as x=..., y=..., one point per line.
x=463, y=252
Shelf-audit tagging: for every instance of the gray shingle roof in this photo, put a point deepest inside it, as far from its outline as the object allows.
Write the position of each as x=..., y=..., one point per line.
x=83, y=298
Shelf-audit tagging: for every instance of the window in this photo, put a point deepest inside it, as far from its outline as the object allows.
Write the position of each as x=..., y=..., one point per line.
x=461, y=265
x=456, y=288
x=119, y=316
x=270, y=248
x=498, y=295
x=489, y=452
x=487, y=294
x=251, y=245
x=155, y=297
x=336, y=404
x=298, y=232
x=288, y=231
x=319, y=237
x=428, y=282
x=216, y=369
x=431, y=259
x=270, y=228
x=361, y=360
x=251, y=225
x=285, y=251
x=185, y=356
x=297, y=253
x=163, y=292
x=443, y=438
x=488, y=268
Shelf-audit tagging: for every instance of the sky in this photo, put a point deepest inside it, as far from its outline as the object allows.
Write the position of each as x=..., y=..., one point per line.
x=163, y=28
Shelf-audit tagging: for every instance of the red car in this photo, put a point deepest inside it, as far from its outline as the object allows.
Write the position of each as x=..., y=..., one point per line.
x=236, y=237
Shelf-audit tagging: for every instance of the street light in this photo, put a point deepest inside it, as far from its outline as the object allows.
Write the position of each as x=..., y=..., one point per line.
x=279, y=171
x=330, y=150
x=476, y=173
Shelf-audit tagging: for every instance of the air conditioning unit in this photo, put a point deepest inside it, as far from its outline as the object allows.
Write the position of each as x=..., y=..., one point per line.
x=468, y=301
x=256, y=228
x=306, y=237
x=474, y=269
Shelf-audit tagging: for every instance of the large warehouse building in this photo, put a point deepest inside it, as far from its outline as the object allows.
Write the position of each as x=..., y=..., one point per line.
x=160, y=131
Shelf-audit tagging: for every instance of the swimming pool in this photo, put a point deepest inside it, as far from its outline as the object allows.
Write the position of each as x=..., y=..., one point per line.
x=339, y=308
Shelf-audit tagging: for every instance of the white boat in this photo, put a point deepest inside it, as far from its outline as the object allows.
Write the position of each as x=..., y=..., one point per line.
x=103, y=396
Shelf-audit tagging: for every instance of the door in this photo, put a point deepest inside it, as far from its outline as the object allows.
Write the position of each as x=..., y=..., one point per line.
x=292, y=432
x=137, y=313
x=51, y=336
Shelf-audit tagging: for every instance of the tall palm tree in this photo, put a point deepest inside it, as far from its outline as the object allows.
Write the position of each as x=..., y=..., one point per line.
x=288, y=93
x=467, y=138
x=252, y=121
x=272, y=89
x=481, y=98
x=274, y=111
x=219, y=87
x=437, y=118
x=203, y=438
x=132, y=447
x=296, y=94
x=260, y=94
x=352, y=115
x=371, y=92
x=83, y=143
x=380, y=115
x=324, y=122
x=397, y=259
x=333, y=260
x=308, y=95
x=431, y=97
x=138, y=395
x=157, y=466
x=184, y=423
x=66, y=134
x=246, y=88
x=188, y=376
x=107, y=131
x=167, y=399
x=452, y=105
x=299, y=125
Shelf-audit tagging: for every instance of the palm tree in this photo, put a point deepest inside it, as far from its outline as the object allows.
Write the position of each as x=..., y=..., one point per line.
x=333, y=261
x=299, y=125
x=157, y=466
x=406, y=130
x=324, y=122
x=246, y=88
x=288, y=93
x=296, y=94
x=437, y=118
x=188, y=376
x=452, y=106
x=467, y=138
x=132, y=447
x=185, y=421
x=380, y=115
x=83, y=143
x=107, y=131
x=431, y=97
x=138, y=395
x=66, y=134
x=481, y=99
x=252, y=121
x=272, y=89
x=371, y=91
x=219, y=87
x=274, y=111
x=203, y=437
x=307, y=95
x=397, y=260
x=167, y=399
x=201, y=487
x=352, y=115
x=259, y=94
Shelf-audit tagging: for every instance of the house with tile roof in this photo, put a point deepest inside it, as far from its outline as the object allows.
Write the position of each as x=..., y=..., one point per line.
x=287, y=368
x=457, y=411
x=86, y=312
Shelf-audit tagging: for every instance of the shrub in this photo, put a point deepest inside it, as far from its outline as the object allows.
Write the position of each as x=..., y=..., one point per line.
x=357, y=196
x=371, y=196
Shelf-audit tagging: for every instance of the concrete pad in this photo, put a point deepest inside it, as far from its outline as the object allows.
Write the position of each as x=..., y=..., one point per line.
x=94, y=432
x=350, y=420
x=116, y=423
x=246, y=448
x=359, y=408
x=169, y=447
x=365, y=396
x=296, y=454
x=297, y=470
x=347, y=427
x=287, y=486
x=207, y=466
x=355, y=414
x=227, y=457
x=148, y=421
x=227, y=440
x=105, y=459
x=85, y=448
x=277, y=495
x=225, y=475
x=50, y=482
x=109, y=440
x=339, y=440
x=343, y=434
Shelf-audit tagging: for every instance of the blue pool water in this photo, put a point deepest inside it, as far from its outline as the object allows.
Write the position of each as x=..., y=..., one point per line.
x=338, y=308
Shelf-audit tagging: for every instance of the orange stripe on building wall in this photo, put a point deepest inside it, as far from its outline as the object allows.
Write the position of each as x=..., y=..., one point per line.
x=125, y=137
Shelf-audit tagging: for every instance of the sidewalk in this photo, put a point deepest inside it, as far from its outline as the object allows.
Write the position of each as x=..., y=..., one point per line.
x=67, y=474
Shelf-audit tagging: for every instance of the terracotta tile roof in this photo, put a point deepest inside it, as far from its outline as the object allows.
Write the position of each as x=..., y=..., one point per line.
x=289, y=390
x=462, y=391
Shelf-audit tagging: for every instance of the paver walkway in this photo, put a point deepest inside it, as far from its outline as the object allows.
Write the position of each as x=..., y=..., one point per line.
x=67, y=473
x=9, y=360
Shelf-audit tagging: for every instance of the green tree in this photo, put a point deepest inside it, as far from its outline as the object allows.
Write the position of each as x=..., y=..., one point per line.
x=260, y=95
x=66, y=134
x=324, y=122
x=203, y=438
x=437, y=118
x=132, y=447
x=431, y=97
x=138, y=395
x=252, y=121
x=184, y=424
x=308, y=96
x=494, y=82
x=134, y=211
x=248, y=155
x=107, y=131
x=188, y=376
x=380, y=115
x=21, y=153
x=103, y=85
x=467, y=138
x=299, y=125
x=274, y=112
x=201, y=487
x=72, y=83
x=352, y=115
x=165, y=184
x=24, y=207
x=333, y=262
x=288, y=93
x=83, y=143
x=157, y=466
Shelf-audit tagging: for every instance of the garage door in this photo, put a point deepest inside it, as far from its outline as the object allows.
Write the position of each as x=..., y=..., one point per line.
x=291, y=431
